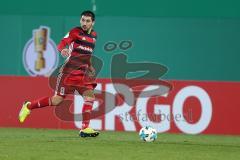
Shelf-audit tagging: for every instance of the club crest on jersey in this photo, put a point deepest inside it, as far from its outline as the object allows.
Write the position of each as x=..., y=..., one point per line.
x=40, y=55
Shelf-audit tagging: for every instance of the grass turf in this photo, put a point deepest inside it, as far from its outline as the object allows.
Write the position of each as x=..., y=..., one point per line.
x=42, y=144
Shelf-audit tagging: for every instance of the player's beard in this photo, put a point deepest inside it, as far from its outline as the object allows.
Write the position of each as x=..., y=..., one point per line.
x=85, y=28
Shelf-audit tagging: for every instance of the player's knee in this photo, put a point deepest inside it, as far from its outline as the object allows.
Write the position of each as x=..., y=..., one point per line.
x=89, y=98
x=89, y=95
x=56, y=100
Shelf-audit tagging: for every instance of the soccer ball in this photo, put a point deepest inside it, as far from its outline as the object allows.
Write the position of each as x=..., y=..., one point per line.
x=148, y=134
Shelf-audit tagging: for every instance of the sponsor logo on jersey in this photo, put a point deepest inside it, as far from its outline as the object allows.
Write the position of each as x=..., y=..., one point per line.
x=85, y=48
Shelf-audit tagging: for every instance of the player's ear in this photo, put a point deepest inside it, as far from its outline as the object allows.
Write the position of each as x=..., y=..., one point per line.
x=93, y=23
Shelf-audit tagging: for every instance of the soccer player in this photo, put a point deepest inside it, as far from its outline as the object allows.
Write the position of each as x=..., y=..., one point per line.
x=77, y=73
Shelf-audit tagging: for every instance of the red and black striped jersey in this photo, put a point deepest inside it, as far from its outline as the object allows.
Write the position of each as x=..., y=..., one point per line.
x=79, y=41
x=81, y=45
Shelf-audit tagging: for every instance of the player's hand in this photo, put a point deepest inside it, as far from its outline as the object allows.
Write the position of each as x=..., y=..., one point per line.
x=65, y=52
x=91, y=71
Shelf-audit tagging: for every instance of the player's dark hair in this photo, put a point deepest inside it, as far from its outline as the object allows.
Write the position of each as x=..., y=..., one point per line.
x=89, y=14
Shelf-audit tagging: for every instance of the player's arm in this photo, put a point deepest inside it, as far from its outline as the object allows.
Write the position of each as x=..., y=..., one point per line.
x=66, y=41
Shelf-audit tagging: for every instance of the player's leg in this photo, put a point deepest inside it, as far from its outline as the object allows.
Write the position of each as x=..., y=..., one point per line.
x=40, y=103
x=45, y=101
x=88, y=96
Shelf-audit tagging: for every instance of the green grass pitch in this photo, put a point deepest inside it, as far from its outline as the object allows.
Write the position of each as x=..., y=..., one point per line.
x=45, y=144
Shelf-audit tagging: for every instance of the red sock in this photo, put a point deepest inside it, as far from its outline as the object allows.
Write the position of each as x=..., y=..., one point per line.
x=43, y=102
x=87, y=108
